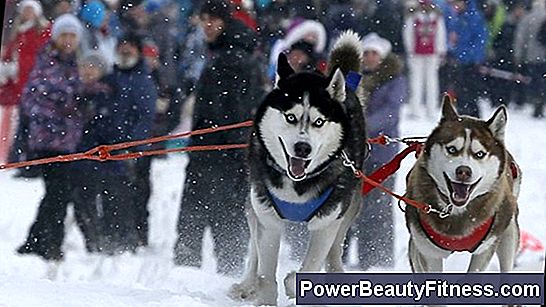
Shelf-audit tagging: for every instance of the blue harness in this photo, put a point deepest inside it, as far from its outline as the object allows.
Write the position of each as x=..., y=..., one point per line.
x=300, y=212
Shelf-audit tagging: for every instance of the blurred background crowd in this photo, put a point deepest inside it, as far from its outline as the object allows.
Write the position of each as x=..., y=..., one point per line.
x=79, y=73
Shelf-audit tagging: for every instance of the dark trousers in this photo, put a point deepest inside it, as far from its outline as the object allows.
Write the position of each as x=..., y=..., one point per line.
x=47, y=232
x=536, y=90
x=106, y=214
x=374, y=229
x=215, y=193
x=141, y=189
x=504, y=92
x=468, y=86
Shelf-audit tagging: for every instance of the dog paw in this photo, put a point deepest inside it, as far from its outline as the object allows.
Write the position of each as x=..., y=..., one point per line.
x=258, y=291
x=290, y=284
x=245, y=291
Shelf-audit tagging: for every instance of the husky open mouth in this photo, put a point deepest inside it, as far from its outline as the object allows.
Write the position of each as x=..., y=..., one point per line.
x=296, y=167
x=459, y=192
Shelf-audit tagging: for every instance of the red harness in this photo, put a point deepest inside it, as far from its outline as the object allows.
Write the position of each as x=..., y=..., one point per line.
x=467, y=243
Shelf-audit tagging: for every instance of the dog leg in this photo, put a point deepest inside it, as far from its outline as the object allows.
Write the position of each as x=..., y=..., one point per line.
x=268, y=242
x=508, y=246
x=320, y=244
x=246, y=290
x=421, y=264
x=334, y=261
x=479, y=262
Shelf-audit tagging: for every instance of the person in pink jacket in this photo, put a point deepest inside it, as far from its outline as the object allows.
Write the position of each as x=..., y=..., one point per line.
x=425, y=42
x=29, y=34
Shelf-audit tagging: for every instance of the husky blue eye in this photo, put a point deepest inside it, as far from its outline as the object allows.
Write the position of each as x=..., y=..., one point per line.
x=319, y=122
x=451, y=149
x=480, y=154
x=290, y=118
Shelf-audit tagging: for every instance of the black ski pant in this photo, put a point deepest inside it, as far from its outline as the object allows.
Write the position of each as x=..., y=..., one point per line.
x=106, y=212
x=215, y=193
x=46, y=234
x=141, y=189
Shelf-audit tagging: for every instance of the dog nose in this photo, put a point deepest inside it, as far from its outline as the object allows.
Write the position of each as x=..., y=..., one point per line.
x=302, y=149
x=463, y=173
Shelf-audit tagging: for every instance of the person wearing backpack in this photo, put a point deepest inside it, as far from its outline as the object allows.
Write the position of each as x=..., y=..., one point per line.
x=530, y=55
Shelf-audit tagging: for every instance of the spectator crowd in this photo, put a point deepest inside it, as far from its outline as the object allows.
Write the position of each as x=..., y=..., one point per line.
x=75, y=74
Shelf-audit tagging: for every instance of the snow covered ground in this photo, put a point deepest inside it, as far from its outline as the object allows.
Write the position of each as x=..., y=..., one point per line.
x=149, y=278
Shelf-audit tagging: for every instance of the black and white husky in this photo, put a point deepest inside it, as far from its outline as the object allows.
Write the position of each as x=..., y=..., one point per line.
x=301, y=129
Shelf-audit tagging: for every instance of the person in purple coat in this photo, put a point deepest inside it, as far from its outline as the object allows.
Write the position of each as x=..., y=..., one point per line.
x=385, y=91
x=55, y=128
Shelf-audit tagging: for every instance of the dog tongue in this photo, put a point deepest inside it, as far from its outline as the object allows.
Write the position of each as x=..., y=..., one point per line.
x=297, y=167
x=460, y=192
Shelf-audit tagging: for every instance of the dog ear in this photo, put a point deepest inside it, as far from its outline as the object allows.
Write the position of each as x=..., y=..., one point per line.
x=448, y=109
x=336, y=88
x=497, y=122
x=284, y=70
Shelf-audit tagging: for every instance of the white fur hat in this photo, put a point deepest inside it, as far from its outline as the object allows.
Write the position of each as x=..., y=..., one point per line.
x=66, y=23
x=33, y=4
x=375, y=42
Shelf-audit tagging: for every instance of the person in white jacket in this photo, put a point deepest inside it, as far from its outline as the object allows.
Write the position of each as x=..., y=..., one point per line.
x=425, y=41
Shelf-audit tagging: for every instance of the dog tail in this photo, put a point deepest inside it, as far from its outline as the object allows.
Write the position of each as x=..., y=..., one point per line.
x=346, y=53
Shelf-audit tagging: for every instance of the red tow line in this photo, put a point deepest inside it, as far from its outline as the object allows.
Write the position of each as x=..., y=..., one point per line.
x=104, y=153
x=382, y=173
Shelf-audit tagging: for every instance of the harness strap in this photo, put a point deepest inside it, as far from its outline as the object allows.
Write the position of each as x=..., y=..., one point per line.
x=300, y=212
x=385, y=171
x=467, y=243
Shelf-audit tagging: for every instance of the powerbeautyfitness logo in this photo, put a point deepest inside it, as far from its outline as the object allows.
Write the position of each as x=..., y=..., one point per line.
x=411, y=289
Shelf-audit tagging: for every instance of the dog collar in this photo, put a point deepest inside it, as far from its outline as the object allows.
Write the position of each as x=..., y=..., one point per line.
x=300, y=212
x=467, y=243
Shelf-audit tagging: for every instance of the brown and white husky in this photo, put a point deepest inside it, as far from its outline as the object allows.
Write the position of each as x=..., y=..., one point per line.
x=466, y=173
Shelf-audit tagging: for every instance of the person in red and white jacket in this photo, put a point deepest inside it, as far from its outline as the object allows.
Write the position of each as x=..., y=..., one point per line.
x=29, y=34
x=425, y=41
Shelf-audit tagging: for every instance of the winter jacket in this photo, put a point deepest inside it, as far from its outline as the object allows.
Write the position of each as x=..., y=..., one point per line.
x=527, y=49
x=230, y=86
x=385, y=92
x=134, y=97
x=471, y=30
x=23, y=49
x=49, y=101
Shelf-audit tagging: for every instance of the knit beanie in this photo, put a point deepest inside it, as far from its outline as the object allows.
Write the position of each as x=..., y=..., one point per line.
x=66, y=23
x=93, y=13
